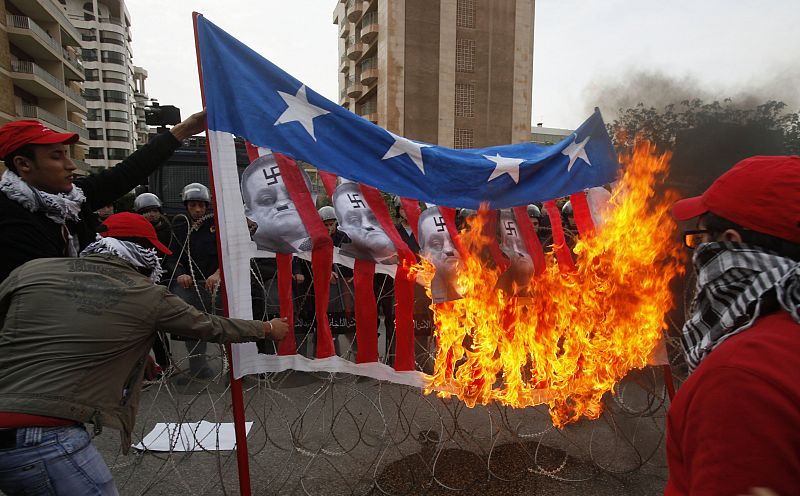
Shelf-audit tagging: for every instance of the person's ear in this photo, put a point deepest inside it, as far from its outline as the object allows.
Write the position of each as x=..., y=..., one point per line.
x=732, y=236
x=23, y=164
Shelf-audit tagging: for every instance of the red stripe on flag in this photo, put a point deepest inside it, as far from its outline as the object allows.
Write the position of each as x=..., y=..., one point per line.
x=403, y=288
x=328, y=182
x=411, y=208
x=582, y=214
x=252, y=150
x=449, y=216
x=490, y=232
x=563, y=255
x=532, y=243
x=366, y=312
x=321, y=254
x=288, y=345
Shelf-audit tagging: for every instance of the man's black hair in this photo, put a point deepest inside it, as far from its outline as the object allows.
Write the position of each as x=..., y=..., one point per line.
x=718, y=225
x=28, y=151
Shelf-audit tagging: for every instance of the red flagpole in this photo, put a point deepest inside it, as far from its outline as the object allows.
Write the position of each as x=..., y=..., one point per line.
x=237, y=396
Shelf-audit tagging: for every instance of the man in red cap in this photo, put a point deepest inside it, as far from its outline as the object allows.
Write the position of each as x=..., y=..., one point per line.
x=73, y=345
x=733, y=425
x=44, y=210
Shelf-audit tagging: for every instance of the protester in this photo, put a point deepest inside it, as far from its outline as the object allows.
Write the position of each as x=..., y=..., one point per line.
x=733, y=423
x=196, y=268
x=535, y=215
x=74, y=350
x=104, y=212
x=148, y=206
x=45, y=211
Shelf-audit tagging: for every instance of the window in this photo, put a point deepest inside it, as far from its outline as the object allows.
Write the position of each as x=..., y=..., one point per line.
x=465, y=100
x=116, y=116
x=95, y=153
x=118, y=135
x=112, y=57
x=465, y=55
x=465, y=13
x=112, y=37
x=118, y=153
x=463, y=138
x=88, y=54
x=88, y=35
x=115, y=96
x=92, y=74
x=95, y=134
x=91, y=94
x=94, y=114
x=114, y=77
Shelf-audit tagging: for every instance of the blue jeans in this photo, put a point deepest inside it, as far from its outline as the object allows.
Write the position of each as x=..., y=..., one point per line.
x=54, y=461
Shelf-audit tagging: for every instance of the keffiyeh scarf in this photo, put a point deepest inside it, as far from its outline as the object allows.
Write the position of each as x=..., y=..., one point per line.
x=59, y=207
x=136, y=255
x=735, y=283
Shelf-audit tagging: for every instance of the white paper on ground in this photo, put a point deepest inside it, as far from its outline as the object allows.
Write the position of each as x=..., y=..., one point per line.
x=191, y=436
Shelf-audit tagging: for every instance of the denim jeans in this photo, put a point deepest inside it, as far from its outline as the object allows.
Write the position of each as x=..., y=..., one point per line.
x=54, y=461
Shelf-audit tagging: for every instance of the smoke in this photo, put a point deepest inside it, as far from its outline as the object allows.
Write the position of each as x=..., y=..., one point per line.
x=658, y=89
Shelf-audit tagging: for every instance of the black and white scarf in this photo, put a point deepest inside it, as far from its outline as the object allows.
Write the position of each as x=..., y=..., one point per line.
x=735, y=284
x=59, y=208
x=136, y=255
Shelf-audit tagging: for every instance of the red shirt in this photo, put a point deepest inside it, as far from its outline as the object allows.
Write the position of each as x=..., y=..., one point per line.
x=735, y=423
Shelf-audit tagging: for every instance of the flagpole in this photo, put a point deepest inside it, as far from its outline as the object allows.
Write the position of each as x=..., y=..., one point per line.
x=237, y=396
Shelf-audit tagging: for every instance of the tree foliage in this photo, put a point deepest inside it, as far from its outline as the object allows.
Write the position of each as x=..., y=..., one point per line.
x=662, y=126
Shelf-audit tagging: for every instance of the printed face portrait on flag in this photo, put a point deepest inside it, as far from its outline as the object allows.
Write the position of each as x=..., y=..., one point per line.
x=520, y=269
x=267, y=203
x=368, y=240
x=437, y=247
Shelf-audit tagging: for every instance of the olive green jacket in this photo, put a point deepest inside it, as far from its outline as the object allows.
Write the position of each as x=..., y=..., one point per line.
x=75, y=333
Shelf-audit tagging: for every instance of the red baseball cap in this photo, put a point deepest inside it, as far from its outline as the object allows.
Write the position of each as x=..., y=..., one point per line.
x=760, y=193
x=130, y=225
x=17, y=134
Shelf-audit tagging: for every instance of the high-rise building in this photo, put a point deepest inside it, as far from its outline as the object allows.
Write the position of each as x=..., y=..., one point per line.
x=453, y=72
x=104, y=30
x=40, y=71
x=140, y=101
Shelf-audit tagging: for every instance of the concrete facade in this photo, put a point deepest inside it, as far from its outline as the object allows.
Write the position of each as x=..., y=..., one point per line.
x=41, y=73
x=457, y=73
x=104, y=30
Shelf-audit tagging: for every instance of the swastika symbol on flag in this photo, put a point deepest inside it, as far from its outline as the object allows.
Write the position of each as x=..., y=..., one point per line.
x=356, y=200
x=440, y=224
x=272, y=178
x=511, y=228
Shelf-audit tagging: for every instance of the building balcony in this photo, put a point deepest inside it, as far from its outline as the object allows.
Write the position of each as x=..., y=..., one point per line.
x=32, y=38
x=344, y=63
x=49, y=12
x=74, y=128
x=354, y=10
x=344, y=28
x=353, y=87
x=369, y=76
x=37, y=81
x=73, y=65
x=34, y=112
x=369, y=27
x=355, y=50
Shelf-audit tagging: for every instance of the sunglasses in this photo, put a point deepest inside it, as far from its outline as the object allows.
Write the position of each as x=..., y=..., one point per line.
x=691, y=239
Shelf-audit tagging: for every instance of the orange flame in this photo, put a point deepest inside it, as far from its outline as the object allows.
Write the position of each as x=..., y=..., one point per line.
x=578, y=333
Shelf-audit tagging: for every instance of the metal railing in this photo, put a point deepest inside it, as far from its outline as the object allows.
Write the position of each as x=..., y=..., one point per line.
x=72, y=60
x=370, y=63
x=74, y=128
x=75, y=95
x=369, y=19
x=28, y=67
x=23, y=22
x=34, y=112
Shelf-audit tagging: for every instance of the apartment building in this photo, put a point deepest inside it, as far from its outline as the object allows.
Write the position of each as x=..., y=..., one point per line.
x=457, y=73
x=40, y=69
x=104, y=31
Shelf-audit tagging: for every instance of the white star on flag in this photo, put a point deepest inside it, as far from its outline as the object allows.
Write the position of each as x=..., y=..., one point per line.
x=300, y=110
x=576, y=151
x=405, y=146
x=505, y=165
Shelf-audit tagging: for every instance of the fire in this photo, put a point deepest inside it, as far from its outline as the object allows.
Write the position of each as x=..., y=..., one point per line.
x=578, y=333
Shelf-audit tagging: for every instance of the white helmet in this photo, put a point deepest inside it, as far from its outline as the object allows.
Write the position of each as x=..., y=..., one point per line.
x=327, y=213
x=195, y=191
x=146, y=201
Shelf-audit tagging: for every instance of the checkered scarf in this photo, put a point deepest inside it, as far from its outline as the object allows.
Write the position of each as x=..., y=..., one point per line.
x=736, y=283
x=133, y=253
